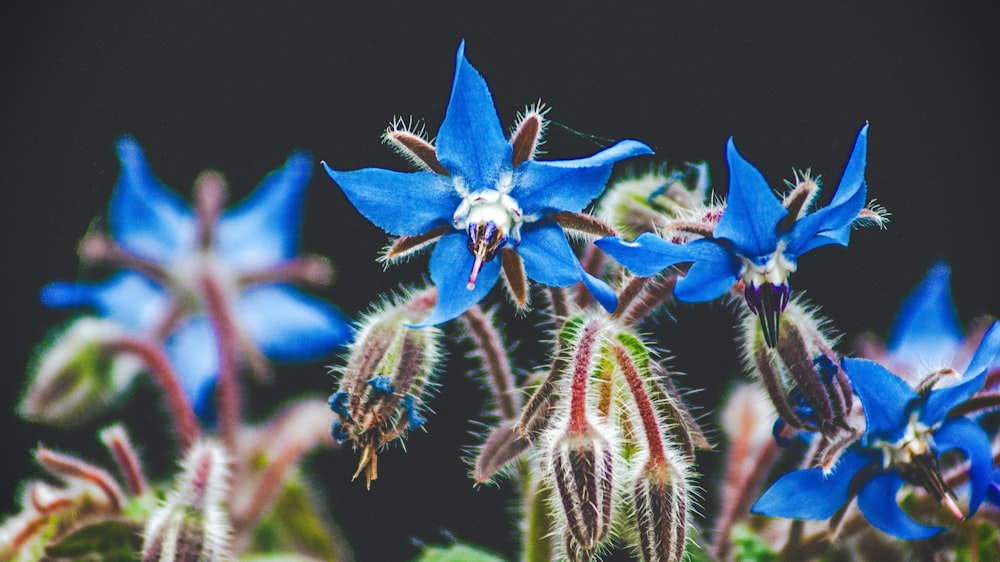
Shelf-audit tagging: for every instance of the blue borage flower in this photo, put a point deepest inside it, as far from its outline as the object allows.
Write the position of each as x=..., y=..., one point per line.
x=757, y=239
x=169, y=251
x=906, y=432
x=485, y=200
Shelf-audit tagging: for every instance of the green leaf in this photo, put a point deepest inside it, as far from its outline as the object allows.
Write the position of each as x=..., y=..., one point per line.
x=116, y=540
x=457, y=552
x=294, y=524
x=748, y=547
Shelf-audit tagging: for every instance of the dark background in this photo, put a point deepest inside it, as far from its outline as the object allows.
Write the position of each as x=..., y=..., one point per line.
x=234, y=87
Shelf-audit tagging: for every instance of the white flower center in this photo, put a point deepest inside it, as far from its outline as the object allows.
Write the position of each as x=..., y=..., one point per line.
x=490, y=206
x=775, y=271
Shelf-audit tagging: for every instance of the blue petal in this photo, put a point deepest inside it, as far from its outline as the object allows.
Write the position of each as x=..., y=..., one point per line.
x=128, y=298
x=648, y=254
x=809, y=494
x=987, y=354
x=877, y=501
x=146, y=217
x=548, y=257
x=712, y=274
x=885, y=397
x=194, y=353
x=941, y=401
x=832, y=224
x=471, y=143
x=263, y=230
x=451, y=263
x=962, y=433
x=601, y=291
x=752, y=211
x=289, y=325
x=926, y=331
x=542, y=188
x=403, y=204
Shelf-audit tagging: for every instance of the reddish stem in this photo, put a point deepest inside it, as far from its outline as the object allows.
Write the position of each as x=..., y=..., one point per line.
x=228, y=385
x=581, y=373
x=647, y=413
x=185, y=422
x=120, y=446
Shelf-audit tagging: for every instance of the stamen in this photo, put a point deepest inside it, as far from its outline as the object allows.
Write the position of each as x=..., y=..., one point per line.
x=485, y=239
x=768, y=302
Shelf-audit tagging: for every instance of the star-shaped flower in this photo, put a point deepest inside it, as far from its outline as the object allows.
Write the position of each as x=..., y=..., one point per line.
x=485, y=201
x=756, y=239
x=906, y=432
x=187, y=274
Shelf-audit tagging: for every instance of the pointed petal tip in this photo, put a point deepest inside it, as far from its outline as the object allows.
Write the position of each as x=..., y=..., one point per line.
x=129, y=150
x=62, y=294
x=300, y=159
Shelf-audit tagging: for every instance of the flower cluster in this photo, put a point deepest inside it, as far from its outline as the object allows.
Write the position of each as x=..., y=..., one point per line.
x=601, y=446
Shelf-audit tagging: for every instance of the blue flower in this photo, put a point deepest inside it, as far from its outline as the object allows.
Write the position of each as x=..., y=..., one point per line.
x=176, y=261
x=926, y=334
x=906, y=432
x=757, y=239
x=484, y=199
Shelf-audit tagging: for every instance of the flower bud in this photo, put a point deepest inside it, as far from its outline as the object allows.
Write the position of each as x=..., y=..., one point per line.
x=191, y=524
x=646, y=202
x=76, y=376
x=382, y=386
x=582, y=467
x=660, y=500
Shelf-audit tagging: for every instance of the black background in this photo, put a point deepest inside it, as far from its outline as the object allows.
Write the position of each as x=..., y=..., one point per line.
x=234, y=87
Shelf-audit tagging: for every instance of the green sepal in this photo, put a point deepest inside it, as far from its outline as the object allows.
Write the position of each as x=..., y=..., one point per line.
x=114, y=540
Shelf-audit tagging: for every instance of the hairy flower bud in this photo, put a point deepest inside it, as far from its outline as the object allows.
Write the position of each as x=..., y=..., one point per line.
x=582, y=467
x=75, y=375
x=800, y=373
x=647, y=202
x=660, y=501
x=191, y=523
x=382, y=386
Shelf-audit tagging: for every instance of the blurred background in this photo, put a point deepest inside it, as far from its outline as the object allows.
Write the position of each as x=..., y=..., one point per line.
x=235, y=86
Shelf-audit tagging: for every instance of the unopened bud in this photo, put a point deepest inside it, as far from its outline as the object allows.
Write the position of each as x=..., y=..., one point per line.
x=660, y=500
x=76, y=376
x=382, y=386
x=582, y=466
x=646, y=202
x=191, y=523
x=800, y=374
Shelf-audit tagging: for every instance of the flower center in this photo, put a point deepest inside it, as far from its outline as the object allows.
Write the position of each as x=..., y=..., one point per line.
x=766, y=289
x=914, y=459
x=492, y=218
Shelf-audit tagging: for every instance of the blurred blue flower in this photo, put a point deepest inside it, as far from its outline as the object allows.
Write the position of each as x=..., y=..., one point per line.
x=906, y=432
x=171, y=256
x=484, y=199
x=758, y=239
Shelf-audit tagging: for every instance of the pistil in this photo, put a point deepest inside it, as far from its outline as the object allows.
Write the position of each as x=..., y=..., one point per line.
x=485, y=240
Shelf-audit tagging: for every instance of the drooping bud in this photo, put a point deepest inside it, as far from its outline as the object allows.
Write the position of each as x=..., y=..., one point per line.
x=582, y=467
x=76, y=376
x=803, y=379
x=660, y=500
x=191, y=524
x=382, y=387
x=648, y=202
